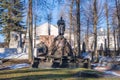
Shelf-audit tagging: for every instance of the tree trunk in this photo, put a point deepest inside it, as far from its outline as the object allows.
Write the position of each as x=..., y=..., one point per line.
x=108, y=29
x=9, y=24
x=95, y=19
x=35, y=18
x=78, y=27
x=30, y=32
x=70, y=30
x=87, y=35
x=118, y=16
x=114, y=34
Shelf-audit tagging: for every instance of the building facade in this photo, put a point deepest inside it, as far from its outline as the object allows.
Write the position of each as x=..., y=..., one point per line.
x=102, y=40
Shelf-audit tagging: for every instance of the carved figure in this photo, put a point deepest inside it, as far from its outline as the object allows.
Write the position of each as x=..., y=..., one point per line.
x=61, y=26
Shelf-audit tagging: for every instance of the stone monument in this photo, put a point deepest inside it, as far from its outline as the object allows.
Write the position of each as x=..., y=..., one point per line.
x=15, y=40
x=60, y=47
x=42, y=49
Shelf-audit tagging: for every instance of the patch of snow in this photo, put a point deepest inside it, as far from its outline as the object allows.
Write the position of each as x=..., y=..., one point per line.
x=8, y=50
x=14, y=56
x=18, y=56
x=112, y=73
x=86, y=55
x=94, y=65
x=117, y=58
x=101, y=68
x=17, y=66
x=106, y=59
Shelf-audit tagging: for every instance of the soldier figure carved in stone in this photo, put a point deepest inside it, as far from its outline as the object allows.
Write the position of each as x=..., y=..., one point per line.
x=61, y=26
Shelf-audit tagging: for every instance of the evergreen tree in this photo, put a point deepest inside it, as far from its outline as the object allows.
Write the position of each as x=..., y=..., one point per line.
x=11, y=17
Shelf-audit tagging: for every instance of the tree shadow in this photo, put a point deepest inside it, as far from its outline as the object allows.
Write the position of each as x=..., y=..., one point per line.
x=89, y=74
x=41, y=77
x=27, y=70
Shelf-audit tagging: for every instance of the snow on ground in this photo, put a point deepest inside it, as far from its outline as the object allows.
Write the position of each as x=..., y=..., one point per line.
x=101, y=68
x=14, y=56
x=12, y=53
x=15, y=66
x=112, y=73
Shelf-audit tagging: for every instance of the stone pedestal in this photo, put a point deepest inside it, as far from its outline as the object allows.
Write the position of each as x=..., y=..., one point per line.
x=60, y=47
x=60, y=50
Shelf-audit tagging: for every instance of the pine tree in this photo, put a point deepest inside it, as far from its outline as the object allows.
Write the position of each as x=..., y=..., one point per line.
x=11, y=17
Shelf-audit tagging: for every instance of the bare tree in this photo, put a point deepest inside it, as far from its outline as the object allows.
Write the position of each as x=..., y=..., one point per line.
x=70, y=14
x=35, y=22
x=114, y=29
x=95, y=20
x=78, y=26
x=93, y=17
x=93, y=12
x=30, y=22
x=87, y=34
x=117, y=2
x=108, y=28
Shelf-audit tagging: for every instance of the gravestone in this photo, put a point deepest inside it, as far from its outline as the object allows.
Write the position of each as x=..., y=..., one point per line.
x=86, y=57
x=14, y=39
x=18, y=41
x=101, y=50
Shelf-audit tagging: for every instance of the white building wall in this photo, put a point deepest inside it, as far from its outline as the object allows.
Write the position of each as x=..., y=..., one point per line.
x=43, y=30
x=101, y=40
